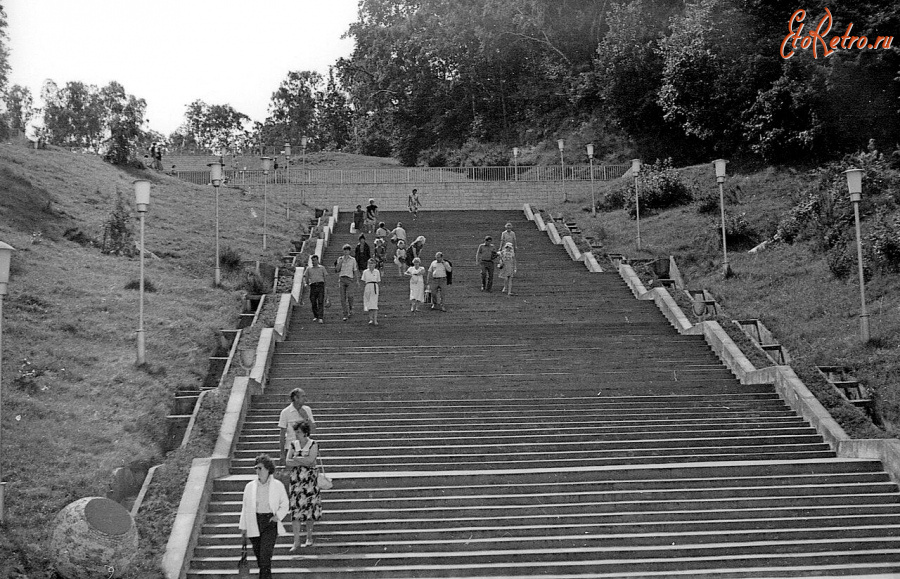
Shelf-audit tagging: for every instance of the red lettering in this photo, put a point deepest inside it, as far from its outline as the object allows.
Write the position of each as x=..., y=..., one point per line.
x=805, y=43
x=887, y=40
x=834, y=42
x=797, y=16
x=819, y=34
x=863, y=42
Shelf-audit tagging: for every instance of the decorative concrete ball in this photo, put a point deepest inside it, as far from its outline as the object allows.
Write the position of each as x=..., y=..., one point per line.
x=93, y=538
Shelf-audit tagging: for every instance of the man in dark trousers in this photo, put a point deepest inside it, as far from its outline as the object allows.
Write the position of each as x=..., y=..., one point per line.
x=314, y=277
x=485, y=257
x=345, y=266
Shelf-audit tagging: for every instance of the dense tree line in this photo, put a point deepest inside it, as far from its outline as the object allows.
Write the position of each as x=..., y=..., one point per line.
x=305, y=104
x=689, y=79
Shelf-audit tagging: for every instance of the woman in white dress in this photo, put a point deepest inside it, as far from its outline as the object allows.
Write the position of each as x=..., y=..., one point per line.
x=416, y=275
x=507, y=267
x=372, y=278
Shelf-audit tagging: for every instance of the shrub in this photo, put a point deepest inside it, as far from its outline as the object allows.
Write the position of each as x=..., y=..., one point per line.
x=135, y=284
x=738, y=231
x=613, y=200
x=660, y=187
x=842, y=261
x=708, y=204
x=118, y=237
x=230, y=259
x=254, y=284
x=883, y=242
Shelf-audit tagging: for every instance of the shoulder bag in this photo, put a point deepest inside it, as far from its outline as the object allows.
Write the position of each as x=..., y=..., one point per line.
x=323, y=481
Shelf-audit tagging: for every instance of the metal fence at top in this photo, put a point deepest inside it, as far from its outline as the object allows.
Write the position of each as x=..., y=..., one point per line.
x=412, y=175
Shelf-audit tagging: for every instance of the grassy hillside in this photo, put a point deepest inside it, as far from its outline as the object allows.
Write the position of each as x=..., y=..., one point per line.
x=788, y=286
x=75, y=406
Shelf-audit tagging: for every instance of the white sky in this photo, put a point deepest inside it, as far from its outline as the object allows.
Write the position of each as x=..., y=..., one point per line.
x=172, y=52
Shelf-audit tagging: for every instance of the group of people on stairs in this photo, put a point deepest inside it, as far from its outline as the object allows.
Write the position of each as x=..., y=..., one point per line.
x=364, y=267
x=265, y=502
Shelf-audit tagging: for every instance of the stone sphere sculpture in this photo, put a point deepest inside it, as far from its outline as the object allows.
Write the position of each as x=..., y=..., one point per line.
x=93, y=538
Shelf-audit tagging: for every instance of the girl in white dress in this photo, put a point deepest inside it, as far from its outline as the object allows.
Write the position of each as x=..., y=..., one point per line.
x=372, y=278
x=416, y=275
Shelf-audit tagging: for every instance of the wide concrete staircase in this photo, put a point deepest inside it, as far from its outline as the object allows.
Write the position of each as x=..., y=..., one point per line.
x=566, y=431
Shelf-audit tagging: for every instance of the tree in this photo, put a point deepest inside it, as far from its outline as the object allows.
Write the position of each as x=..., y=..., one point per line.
x=712, y=67
x=4, y=66
x=334, y=115
x=19, y=105
x=292, y=110
x=74, y=116
x=216, y=128
x=124, y=121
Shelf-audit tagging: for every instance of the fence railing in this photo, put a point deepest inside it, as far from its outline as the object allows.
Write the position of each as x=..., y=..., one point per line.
x=412, y=175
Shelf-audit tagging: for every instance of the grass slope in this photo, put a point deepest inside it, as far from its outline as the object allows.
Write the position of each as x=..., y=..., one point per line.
x=75, y=406
x=788, y=287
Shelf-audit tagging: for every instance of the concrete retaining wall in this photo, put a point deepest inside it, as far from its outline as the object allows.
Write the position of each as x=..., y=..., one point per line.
x=481, y=195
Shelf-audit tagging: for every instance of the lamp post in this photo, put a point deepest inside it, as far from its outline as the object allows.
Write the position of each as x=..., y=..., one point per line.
x=516, y=162
x=635, y=170
x=303, y=143
x=215, y=175
x=854, y=184
x=720, y=178
x=5, y=256
x=266, y=166
x=590, y=154
x=562, y=165
x=142, y=199
x=287, y=177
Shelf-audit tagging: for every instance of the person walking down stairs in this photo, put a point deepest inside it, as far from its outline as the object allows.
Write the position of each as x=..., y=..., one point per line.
x=314, y=277
x=305, y=500
x=507, y=267
x=372, y=279
x=345, y=266
x=484, y=258
x=264, y=504
x=416, y=275
x=291, y=415
x=437, y=280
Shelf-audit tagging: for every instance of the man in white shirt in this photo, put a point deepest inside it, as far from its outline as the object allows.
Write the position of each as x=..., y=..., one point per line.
x=296, y=411
x=509, y=236
x=437, y=280
x=345, y=266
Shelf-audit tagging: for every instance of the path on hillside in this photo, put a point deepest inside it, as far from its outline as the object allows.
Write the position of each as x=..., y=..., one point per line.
x=566, y=431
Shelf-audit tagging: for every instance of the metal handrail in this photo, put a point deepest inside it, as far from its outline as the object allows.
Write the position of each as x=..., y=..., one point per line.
x=413, y=175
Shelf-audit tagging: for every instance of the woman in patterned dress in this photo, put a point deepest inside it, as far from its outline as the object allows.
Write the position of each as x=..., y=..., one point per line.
x=306, y=506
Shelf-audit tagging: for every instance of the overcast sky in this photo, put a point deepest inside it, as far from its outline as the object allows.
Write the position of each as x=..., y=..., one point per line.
x=172, y=52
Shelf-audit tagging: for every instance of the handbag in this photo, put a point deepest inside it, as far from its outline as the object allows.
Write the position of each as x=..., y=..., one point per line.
x=323, y=481
x=243, y=567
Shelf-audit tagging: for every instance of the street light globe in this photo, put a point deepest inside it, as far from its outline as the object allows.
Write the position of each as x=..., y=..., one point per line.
x=142, y=194
x=303, y=142
x=287, y=149
x=215, y=173
x=854, y=184
x=515, y=151
x=635, y=166
x=560, y=144
x=5, y=257
x=590, y=150
x=266, y=164
x=720, y=169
